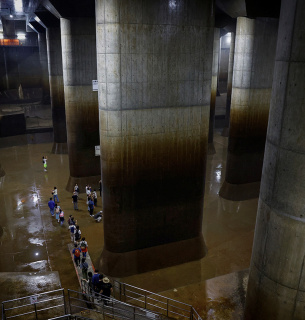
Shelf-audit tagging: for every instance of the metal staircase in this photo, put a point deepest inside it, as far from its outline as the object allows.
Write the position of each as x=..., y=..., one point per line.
x=128, y=302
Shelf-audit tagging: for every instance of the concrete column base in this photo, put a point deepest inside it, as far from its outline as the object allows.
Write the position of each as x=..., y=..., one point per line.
x=123, y=264
x=240, y=192
x=225, y=132
x=211, y=148
x=60, y=148
x=93, y=181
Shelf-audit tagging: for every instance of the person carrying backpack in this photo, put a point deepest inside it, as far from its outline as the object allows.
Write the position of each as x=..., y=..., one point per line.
x=84, y=266
x=84, y=247
x=77, y=234
x=72, y=229
x=76, y=252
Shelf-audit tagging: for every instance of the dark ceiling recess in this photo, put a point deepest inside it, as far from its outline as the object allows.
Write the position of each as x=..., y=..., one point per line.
x=37, y=27
x=263, y=8
x=224, y=22
x=47, y=18
x=70, y=8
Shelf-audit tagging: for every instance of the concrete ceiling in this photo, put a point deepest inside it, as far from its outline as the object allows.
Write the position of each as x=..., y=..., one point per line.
x=226, y=10
x=250, y=8
x=20, y=9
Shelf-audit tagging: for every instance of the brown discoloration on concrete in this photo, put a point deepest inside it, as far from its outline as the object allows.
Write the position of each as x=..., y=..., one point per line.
x=227, y=228
x=81, y=103
x=250, y=102
x=146, y=203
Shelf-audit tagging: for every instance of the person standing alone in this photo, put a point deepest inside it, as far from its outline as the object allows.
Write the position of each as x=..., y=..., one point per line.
x=44, y=162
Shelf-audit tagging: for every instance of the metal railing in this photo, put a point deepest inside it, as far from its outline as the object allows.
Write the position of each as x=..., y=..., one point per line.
x=44, y=305
x=154, y=302
x=106, y=306
x=128, y=302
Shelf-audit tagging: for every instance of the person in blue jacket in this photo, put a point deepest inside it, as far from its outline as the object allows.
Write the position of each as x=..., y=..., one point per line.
x=51, y=205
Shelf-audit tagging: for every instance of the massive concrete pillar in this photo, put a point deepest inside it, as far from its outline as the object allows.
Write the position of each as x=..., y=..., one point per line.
x=225, y=131
x=57, y=90
x=154, y=73
x=78, y=40
x=252, y=81
x=216, y=47
x=44, y=67
x=276, y=281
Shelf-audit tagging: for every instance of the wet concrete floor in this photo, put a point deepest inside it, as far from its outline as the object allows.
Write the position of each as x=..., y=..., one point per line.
x=33, y=241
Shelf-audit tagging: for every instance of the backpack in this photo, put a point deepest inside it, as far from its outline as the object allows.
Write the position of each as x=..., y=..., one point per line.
x=83, y=245
x=72, y=228
x=77, y=253
x=77, y=235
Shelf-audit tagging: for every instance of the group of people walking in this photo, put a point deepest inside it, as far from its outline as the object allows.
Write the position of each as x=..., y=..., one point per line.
x=97, y=283
x=91, y=199
x=99, y=286
x=55, y=209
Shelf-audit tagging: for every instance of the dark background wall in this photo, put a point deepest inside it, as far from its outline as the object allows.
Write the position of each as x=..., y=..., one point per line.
x=19, y=65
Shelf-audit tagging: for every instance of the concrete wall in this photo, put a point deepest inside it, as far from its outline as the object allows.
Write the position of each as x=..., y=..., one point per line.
x=78, y=42
x=22, y=65
x=276, y=281
x=154, y=72
x=252, y=81
x=44, y=67
x=57, y=90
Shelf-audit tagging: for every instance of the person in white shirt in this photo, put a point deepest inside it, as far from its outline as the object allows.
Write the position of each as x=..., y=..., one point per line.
x=55, y=196
x=94, y=194
x=44, y=161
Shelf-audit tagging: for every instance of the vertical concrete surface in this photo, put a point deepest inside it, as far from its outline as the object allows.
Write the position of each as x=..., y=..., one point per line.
x=154, y=73
x=216, y=47
x=42, y=42
x=252, y=81
x=224, y=54
x=21, y=66
x=2, y=172
x=57, y=90
x=78, y=40
x=276, y=281
x=225, y=131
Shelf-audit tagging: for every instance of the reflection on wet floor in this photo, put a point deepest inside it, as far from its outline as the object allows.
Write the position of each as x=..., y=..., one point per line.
x=33, y=241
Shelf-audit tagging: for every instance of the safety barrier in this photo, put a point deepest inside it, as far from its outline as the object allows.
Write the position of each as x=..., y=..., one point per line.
x=154, y=302
x=44, y=305
x=128, y=302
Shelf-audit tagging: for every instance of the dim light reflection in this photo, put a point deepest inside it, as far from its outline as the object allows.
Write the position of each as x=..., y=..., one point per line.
x=172, y=4
x=35, y=197
x=21, y=36
x=18, y=5
x=218, y=175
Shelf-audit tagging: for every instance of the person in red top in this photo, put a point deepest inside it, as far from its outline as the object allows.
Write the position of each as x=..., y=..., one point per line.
x=76, y=252
x=84, y=246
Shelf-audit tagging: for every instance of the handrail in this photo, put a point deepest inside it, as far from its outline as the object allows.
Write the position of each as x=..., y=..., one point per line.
x=29, y=304
x=45, y=301
x=150, y=300
x=112, y=305
x=35, y=294
x=151, y=293
x=141, y=303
